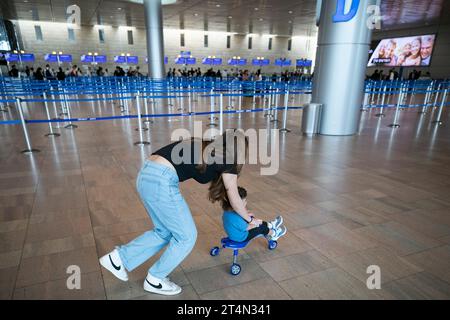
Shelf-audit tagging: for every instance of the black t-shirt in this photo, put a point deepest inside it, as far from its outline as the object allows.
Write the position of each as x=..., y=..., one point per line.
x=189, y=170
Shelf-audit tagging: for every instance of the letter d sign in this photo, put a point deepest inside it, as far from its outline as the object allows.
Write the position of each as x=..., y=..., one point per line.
x=340, y=15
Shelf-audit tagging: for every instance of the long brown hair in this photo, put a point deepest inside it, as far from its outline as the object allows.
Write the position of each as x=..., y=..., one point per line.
x=220, y=149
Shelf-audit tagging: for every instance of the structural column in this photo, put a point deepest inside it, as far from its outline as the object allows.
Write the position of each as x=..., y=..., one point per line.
x=341, y=61
x=155, y=38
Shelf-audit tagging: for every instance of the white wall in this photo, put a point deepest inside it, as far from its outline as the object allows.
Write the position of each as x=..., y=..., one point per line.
x=55, y=38
x=440, y=63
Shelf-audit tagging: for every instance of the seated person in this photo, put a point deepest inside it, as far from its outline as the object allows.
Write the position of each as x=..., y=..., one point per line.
x=240, y=230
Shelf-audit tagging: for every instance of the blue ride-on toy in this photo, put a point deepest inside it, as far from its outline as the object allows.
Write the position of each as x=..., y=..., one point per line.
x=235, y=246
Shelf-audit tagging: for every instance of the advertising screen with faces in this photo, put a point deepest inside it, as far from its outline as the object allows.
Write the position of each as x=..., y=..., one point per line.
x=413, y=51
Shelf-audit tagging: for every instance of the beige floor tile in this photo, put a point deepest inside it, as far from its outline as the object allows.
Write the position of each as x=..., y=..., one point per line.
x=91, y=289
x=401, y=239
x=296, y=265
x=392, y=267
x=40, y=269
x=435, y=261
x=10, y=259
x=333, y=284
x=333, y=239
x=13, y=225
x=7, y=282
x=12, y=241
x=219, y=277
x=419, y=221
x=262, y=289
x=58, y=245
x=420, y=286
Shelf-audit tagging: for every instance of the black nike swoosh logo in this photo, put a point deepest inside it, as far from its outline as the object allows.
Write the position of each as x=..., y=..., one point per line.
x=156, y=287
x=115, y=267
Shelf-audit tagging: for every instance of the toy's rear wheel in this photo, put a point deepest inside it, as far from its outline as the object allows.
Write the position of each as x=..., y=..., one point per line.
x=272, y=245
x=235, y=269
x=214, y=251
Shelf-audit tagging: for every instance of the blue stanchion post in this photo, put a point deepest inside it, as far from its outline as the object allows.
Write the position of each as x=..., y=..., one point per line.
x=275, y=111
x=383, y=96
x=426, y=100
x=139, y=117
x=29, y=148
x=441, y=108
x=212, y=107
x=286, y=102
x=51, y=133
x=395, y=124
x=69, y=114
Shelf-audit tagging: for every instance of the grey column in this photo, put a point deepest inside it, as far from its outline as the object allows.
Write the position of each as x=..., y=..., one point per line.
x=155, y=38
x=341, y=60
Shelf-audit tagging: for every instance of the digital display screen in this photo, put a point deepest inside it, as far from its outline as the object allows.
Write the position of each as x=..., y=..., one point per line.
x=65, y=57
x=304, y=63
x=27, y=57
x=237, y=62
x=11, y=57
x=120, y=59
x=403, y=52
x=87, y=58
x=100, y=59
x=282, y=62
x=258, y=62
x=133, y=59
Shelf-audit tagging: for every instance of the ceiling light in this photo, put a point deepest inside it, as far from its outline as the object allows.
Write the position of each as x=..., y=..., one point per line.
x=290, y=21
x=218, y=5
x=261, y=19
x=119, y=8
x=290, y=12
x=256, y=9
x=230, y=17
x=196, y=14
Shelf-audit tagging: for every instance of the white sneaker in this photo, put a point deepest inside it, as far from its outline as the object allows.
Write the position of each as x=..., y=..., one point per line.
x=276, y=223
x=161, y=286
x=113, y=263
x=279, y=233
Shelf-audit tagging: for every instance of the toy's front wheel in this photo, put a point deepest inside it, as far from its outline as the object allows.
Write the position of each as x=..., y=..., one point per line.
x=214, y=251
x=235, y=269
x=272, y=245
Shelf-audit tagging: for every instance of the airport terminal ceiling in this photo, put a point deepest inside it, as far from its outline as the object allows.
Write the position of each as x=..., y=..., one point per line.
x=280, y=17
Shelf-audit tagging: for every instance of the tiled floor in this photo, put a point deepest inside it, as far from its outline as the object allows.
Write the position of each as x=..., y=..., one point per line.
x=377, y=198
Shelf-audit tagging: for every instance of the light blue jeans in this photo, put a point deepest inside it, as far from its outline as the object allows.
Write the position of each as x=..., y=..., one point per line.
x=172, y=220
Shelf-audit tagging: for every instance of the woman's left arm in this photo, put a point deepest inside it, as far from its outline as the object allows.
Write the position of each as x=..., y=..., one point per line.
x=230, y=182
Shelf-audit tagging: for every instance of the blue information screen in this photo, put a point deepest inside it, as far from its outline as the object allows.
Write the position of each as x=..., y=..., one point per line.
x=282, y=62
x=120, y=59
x=304, y=63
x=133, y=59
x=51, y=57
x=87, y=58
x=258, y=62
x=11, y=57
x=65, y=57
x=27, y=57
x=100, y=59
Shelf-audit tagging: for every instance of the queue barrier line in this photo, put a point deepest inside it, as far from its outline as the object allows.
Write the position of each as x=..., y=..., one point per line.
x=161, y=115
x=150, y=97
x=405, y=106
